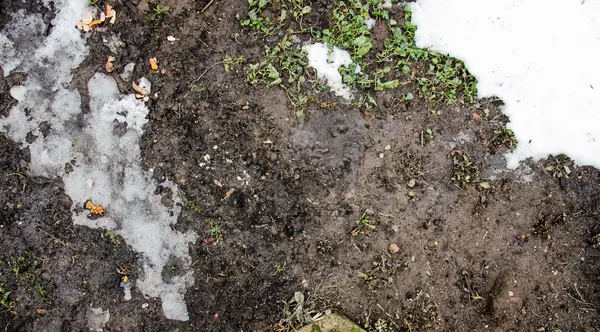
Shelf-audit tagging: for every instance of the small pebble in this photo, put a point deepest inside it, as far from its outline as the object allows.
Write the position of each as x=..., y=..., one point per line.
x=393, y=248
x=411, y=194
x=145, y=305
x=412, y=183
x=388, y=147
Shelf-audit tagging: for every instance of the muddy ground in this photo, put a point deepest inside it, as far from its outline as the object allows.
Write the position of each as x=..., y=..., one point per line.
x=320, y=199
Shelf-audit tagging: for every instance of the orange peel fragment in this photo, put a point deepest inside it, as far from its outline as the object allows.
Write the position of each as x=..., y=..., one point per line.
x=95, y=210
x=109, y=64
x=141, y=92
x=88, y=21
x=111, y=13
x=153, y=64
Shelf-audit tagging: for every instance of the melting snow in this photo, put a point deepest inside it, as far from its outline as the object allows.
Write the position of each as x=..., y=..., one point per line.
x=370, y=23
x=104, y=144
x=327, y=65
x=539, y=56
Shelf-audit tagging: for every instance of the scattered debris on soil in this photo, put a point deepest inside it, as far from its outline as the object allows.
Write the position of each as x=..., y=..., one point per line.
x=239, y=192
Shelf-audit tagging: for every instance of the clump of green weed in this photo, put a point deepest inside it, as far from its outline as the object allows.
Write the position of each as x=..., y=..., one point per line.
x=444, y=79
x=5, y=301
x=114, y=238
x=363, y=226
x=215, y=232
x=381, y=325
x=464, y=171
x=381, y=272
x=23, y=266
x=230, y=63
x=559, y=166
x=297, y=312
x=194, y=206
x=25, y=269
x=158, y=13
x=438, y=77
x=255, y=20
x=503, y=137
x=283, y=64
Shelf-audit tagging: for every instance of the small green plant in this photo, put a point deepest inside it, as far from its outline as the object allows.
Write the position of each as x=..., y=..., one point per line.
x=381, y=272
x=229, y=63
x=504, y=137
x=114, y=238
x=443, y=79
x=297, y=312
x=278, y=269
x=17, y=174
x=92, y=2
x=365, y=222
x=215, y=232
x=429, y=133
x=24, y=266
x=559, y=167
x=381, y=325
x=465, y=171
x=255, y=20
x=41, y=290
x=5, y=300
x=158, y=12
x=85, y=284
x=194, y=206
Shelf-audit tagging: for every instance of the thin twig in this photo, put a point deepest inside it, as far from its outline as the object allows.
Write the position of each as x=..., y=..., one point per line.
x=57, y=239
x=207, y=5
x=206, y=71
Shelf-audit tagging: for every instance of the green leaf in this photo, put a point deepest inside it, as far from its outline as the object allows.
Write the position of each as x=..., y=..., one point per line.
x=306, y=10
x=409, y=96
x=484, y=185
x=387, y=85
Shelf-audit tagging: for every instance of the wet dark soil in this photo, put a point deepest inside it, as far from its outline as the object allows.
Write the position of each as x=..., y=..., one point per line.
x=291, y=197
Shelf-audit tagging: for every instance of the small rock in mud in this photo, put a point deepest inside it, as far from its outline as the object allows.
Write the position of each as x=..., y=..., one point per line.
x=159, y=174
x=167, y=201
x=412, y=183
x=393, y=248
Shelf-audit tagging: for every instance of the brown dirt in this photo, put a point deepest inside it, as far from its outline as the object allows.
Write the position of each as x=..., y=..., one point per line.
x=518, y=256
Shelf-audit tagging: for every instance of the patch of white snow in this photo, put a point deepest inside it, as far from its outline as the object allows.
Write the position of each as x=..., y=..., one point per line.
x=327, y=65
x=547, y=73
x=97, y=318
x=370, y=23
x=104, y=144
